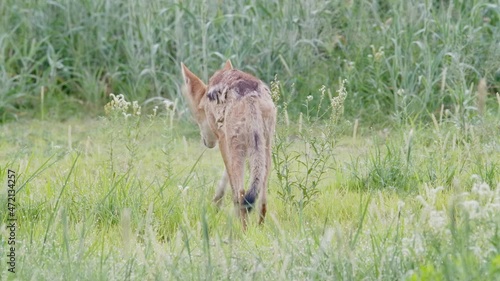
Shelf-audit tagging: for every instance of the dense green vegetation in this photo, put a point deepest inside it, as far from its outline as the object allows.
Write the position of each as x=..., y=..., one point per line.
x=403, y=59
x=386, y=161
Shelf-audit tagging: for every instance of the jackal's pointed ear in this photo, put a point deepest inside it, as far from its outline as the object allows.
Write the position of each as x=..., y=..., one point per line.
x=228, y=65
x=194, y=88
x=190, y=77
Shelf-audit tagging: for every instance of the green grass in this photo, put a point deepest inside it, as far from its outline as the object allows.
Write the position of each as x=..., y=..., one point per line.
x=130, y=198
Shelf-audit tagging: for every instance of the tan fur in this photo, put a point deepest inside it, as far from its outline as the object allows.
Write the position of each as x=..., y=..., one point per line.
x=235, y=109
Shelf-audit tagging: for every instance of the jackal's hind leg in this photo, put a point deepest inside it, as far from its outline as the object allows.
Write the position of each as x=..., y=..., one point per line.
x=238, y=174
x=263, y=192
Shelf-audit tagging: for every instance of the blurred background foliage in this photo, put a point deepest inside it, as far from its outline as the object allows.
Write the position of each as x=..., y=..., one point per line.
x=403, y=60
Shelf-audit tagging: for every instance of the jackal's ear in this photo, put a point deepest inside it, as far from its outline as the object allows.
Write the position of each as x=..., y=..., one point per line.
x=194, y=88
x=228, y=65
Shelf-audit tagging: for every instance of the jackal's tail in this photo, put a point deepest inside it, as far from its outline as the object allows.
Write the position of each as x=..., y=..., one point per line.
x=257, y=161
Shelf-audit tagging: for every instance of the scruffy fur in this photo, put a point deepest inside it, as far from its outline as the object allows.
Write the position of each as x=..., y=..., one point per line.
x=235, y=109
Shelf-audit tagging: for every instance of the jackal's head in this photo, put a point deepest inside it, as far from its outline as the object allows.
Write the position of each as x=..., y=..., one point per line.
x=196, y=92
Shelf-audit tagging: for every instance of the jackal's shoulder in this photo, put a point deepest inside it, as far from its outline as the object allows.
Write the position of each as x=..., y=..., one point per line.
x=235, y=81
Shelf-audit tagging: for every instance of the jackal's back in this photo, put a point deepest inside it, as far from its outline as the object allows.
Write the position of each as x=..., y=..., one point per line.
x=238, y=101
x=235, y=82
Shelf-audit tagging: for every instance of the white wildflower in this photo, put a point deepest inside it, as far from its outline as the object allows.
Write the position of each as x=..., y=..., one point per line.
x=169, y=105
x=493, y=207
x=472, y=208
x=136, y=109
x=337, y=103
x=482, y=190
x=437, y=220
x=475, y=178
x=276, y=89
x=401, y=204
x=119, y=106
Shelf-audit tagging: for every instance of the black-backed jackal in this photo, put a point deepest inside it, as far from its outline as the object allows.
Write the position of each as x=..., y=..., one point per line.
x=236, y=110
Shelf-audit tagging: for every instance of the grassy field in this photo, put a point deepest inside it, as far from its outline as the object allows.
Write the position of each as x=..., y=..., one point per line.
x=130, y=198
x=386, y=161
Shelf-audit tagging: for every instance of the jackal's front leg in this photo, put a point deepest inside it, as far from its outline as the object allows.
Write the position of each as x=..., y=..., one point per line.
x=221, y=189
